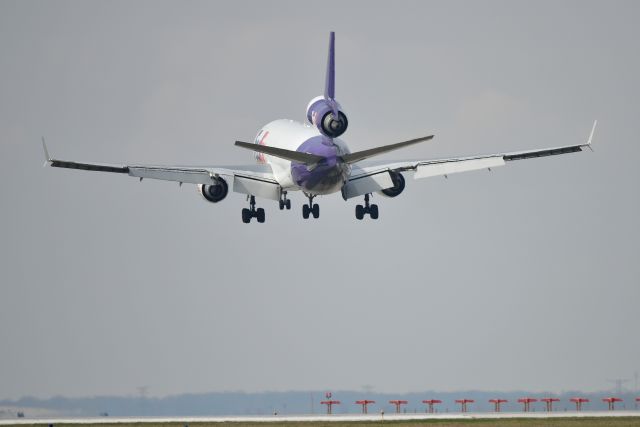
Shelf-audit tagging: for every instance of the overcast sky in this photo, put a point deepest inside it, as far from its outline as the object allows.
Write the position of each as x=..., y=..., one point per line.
x=526, y=277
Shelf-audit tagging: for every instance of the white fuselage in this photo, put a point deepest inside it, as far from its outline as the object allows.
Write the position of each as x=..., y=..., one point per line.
x=326, y=178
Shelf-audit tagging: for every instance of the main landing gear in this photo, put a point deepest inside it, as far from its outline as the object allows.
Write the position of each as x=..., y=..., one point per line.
x=284, y=202
x=252, y=212
x=372, y=210
x=311, y=208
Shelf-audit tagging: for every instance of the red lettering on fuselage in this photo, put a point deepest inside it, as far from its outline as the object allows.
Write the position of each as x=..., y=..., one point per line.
x=260, y=157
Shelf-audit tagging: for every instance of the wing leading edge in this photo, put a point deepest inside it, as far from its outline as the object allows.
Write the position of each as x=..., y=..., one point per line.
x=445, y=167
x=260, y=175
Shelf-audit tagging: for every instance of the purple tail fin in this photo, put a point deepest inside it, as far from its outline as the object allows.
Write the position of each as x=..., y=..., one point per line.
x=330, y=84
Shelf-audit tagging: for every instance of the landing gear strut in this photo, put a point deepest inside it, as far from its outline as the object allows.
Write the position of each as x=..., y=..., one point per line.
x=372, y=210
x=252, y=212
x=284, y=202
x=311, y=208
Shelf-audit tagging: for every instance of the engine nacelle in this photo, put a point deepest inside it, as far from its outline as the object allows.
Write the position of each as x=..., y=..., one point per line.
x=214, y=192
x=398, y=185
x=320, y=113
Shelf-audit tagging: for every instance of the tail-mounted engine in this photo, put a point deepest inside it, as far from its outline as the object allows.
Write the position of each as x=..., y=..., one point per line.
x=327, y=116
x=214, y=192
x=398, y=185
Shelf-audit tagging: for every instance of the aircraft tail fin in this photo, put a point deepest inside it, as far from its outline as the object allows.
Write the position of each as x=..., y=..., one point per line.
x=330, y=83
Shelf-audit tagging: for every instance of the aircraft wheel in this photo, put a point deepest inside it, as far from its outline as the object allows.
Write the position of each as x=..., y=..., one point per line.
x=359, y=211
x=281, y=205
x=316, y=211
x=288, y=204
x=305, y=211
x=373, y=211
x=246, y=215
x=260, y=215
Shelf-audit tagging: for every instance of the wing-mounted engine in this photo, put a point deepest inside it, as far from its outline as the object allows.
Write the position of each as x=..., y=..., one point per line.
x=327, y=116
x=398, y=185
x=214, y=192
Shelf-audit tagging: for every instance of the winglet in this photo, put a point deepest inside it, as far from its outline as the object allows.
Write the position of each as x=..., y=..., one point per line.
x=593, y=129
x=47, y=157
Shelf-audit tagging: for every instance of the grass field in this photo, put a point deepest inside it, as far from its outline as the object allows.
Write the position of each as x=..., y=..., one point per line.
x=555, y=422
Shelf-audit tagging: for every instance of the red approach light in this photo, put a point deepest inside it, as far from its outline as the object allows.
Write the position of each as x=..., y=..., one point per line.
x=430, y=403
x=398, y=403
x=612, y=401
x=330, y=404
x=497, y=403
x=526, y=402
x=364, y=404
x=579, y=401
x=549, y=401
x=463, y=403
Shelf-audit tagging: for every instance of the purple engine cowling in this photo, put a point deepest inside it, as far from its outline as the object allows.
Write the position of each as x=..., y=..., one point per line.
x=327, y=116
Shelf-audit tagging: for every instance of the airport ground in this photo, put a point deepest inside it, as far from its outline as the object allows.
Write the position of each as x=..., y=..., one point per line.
x=562, y=422
x=512, y=422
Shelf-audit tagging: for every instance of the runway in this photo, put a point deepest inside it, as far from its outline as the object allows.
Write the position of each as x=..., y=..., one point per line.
x=322, y=418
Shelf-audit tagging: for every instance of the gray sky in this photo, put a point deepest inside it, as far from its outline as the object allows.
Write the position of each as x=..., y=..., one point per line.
x=523, y=278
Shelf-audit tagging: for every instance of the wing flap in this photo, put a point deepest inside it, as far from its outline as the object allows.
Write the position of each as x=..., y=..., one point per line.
x=185, y=175
x=366, y=183
x=446, y=168
x=256, y=187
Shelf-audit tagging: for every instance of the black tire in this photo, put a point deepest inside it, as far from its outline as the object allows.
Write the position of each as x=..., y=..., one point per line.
x=260, y=215
x=246, y=216
x=374, y=211
x=281, y=205
x=288, y=204
x=305, y=211
x=316, y=211
x=359, y=212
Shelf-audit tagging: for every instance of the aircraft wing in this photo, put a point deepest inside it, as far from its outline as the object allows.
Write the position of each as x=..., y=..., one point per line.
x=376, y=176
x=248, y=179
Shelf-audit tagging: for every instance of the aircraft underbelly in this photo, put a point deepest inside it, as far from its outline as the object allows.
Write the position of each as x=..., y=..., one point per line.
x=329, y=175
x=321, y=180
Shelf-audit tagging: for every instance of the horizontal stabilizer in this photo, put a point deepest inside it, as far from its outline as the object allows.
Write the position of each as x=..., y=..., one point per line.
x=365, y=154
x=294, y=156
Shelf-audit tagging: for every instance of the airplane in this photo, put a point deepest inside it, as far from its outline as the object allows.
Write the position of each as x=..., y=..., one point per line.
x=310, y=157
